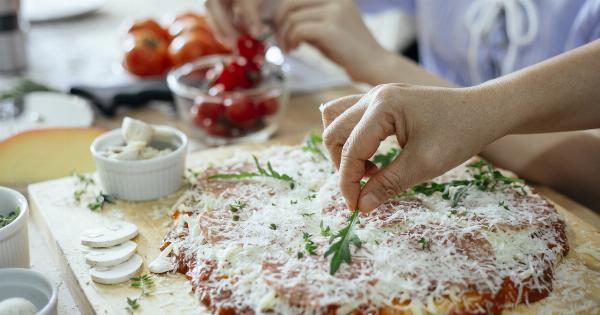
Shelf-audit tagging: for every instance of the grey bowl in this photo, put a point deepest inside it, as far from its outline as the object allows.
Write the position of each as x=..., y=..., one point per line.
x=30, y=285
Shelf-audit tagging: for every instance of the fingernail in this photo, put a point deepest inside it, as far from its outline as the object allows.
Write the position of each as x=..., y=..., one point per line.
x=368, y=202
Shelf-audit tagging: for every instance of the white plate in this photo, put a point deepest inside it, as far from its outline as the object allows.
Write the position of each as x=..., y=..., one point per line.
x=51, y=10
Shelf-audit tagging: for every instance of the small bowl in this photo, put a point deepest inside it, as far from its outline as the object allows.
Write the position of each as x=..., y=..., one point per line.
x=140, y=180
x=14, y=241
x=30, y=285
x=213, y=116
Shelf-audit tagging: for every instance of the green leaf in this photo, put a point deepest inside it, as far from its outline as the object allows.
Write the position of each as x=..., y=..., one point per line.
x=273, y=226
x=325, y=231
x=100, y=200
x=309, y=245
x=425, y=243
x=312, y=143
x=22, y=88
x=340, y=249
x=384, y=159
x=269, y=172
x=7, y=219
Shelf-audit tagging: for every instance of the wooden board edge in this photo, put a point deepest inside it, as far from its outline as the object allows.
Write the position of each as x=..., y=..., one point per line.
x=59, y=257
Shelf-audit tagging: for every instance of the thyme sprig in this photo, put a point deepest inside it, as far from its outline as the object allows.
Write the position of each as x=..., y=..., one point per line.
x=340, y=249
x=146, y=285
x=268, y=172
x=386, y=158
x=100, y=200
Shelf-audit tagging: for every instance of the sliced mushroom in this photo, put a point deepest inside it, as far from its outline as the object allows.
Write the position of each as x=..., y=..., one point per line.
x=112, y=235
x=119, y=273
x=110, y=256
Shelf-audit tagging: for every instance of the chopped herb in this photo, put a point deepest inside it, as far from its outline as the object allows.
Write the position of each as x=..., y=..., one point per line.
x=325, y=231
x=100, y=200
x=273, y=204
x=269, y=172
x=309, y=245
x=7, y=219
x=385, y=159
x=362, y=183
x=300, y=255
x=425, y=243
x=237, y=206
x=190, y=177
x=453, y=212
x=503, y=205
x=146, y=284
x=341, y=248
x=293, y=202
x=312, y=141
x=310, y=197
x=273, y=226
x=307, y=214
x=236, y=217
x=83, y=182
x=457, y=195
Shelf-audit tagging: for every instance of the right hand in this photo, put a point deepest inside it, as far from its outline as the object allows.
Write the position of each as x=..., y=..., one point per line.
x=334, y=27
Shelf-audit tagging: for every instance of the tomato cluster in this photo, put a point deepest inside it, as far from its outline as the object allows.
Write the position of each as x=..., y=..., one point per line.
x=151, y=49
x=235, y=115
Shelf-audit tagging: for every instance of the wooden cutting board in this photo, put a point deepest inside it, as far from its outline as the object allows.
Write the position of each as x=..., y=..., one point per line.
x=62, y=221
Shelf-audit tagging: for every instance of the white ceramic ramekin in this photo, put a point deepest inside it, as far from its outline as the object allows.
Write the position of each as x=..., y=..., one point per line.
x=14, y=241
x=30, y=285
x=144, y=179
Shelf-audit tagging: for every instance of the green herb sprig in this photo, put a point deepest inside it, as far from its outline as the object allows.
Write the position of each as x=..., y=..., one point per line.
x=309, y=245
x=7, y=219
x=340, y=249
x=312, y=143
x=146, y=285
x=83, y=182
x=425, y=243
x=325, y=231
x=100, y=200
x=268, y=172
x=386, y=158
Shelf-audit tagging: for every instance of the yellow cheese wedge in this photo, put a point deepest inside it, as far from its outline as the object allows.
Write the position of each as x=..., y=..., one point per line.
x=43, y=154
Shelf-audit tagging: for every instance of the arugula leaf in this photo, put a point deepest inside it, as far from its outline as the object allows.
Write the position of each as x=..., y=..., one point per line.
x=309, y=245
x=384, y=159
x=325, y=231
x=269, y=172
x=312, y=142
x=341, y=248
x=7, y=219
x=237, y=206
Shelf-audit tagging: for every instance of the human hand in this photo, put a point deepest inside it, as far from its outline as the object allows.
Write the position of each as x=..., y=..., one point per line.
x=229, y=17
x=437, y=128
x=334, y=27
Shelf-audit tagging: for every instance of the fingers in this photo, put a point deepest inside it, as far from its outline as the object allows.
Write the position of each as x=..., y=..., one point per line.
x=288, y=7
x=362, y=143
x=220, y=18
x=302, y=25
x=250, y=17
x=336, y=134
x=331, y=110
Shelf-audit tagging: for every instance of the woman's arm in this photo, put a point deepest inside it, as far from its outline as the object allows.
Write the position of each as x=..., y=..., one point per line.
x=440, y=128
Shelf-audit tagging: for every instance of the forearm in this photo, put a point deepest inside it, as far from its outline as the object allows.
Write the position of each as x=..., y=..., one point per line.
x=560, y=94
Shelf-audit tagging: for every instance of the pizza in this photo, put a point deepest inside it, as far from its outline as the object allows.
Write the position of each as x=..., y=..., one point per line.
x=269, y=232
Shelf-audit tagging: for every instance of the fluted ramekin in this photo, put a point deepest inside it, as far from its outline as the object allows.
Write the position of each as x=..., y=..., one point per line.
x=140, y=180
x=14, y=241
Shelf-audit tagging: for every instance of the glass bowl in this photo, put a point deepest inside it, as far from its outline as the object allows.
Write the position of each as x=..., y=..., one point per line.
x=238, y=116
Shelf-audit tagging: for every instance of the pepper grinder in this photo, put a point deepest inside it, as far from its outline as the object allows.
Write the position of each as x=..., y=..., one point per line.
x=12, y=37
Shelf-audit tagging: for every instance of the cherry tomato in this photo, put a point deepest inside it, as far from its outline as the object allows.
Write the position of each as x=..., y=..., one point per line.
x=150, y=25
x=238, y=73
x=189, y=25
x=206, y=110
x=188, y=47
x=250, y=47
x=146, y=54
x=267, y=106
x=240, y=111
x=216, y=128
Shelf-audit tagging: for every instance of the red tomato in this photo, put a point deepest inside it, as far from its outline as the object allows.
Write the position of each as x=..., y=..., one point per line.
x=203, y=111
x=250, y=47
x=267, y=106
x=146, y=54
x=240, y=111
x=150, y=25
x=238, y=73
x=189, y=25
x=216, y=128
x=188, y=47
